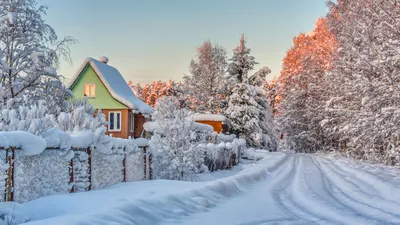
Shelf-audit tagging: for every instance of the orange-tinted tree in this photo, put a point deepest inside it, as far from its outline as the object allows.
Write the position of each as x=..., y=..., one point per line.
x=317, y=46
x=150, y=93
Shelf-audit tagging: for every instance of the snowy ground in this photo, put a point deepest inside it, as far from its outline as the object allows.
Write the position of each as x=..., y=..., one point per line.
x=279, y=189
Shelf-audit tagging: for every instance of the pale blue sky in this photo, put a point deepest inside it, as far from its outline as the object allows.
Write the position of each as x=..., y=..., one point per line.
x=156, y=39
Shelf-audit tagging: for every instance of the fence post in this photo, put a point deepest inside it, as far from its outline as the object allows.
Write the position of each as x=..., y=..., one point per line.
x=9, y=193
x=144, y=162
x=124, y=167
x=150, y=166
x=71, y=175
x=89, y=152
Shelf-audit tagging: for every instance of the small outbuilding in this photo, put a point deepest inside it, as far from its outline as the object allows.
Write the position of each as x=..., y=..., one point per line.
x=217, y=121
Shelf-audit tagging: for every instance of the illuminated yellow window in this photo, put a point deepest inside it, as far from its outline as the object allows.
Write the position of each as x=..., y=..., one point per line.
x=89, y=90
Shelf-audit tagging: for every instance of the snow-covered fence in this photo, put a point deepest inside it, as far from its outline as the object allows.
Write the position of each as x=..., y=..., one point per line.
x=30, y=171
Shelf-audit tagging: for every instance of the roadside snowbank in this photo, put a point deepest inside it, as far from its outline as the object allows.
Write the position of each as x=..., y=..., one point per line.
x=143, y=202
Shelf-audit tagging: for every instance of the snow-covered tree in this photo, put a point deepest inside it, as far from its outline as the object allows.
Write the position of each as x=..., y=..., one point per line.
x=150, y=93
x=176, y=156
x=303, y=110
x=350, y=104
x=248, y=107
x=250, y=116
x=242, y=63
x=364, y=107
x=30, y=52
x=206, y=82
x=318, y=46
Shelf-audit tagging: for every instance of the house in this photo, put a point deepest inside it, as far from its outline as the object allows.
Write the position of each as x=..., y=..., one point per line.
x=215, y=120
x=107, y=90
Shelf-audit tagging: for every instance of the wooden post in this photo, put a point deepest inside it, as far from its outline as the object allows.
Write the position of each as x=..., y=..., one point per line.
x=150, y=166
x=71, y=175
x=10, y=154
x=5, y=183
x=124, y=167
x=89, y=152
x=145, y=162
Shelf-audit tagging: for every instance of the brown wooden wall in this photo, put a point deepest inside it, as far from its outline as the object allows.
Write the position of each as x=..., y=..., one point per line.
x=124, y=133
x=217, y=125
x=139, y=121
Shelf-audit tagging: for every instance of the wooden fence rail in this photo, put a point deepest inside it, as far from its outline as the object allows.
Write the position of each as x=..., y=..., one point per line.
x=10, y=159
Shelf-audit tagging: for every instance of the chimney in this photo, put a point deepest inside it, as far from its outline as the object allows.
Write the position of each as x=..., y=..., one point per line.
x=103, y=59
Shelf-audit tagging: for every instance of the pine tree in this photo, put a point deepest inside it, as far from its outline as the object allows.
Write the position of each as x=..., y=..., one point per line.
x=248, y=108
x=242, y=63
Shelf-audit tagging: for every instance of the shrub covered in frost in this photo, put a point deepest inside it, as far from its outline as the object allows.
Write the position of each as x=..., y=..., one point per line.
x=175, y=143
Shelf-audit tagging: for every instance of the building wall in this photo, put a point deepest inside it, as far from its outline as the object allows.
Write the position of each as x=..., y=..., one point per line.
x=139, y=121
x=103, y=99
x=124, y=133
x=217, y=125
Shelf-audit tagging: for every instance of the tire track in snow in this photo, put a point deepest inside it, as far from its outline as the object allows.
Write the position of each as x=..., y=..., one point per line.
x=350, y=194
x=308, y=191
x=378, y=183
x=373, y=192
x=288, y=195
x=345, y=203
x=320, y=196
x=279, y=184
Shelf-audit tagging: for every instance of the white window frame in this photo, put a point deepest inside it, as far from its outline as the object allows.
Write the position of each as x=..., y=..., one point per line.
x=115, y=121
x=90, y=94
x=132, y=122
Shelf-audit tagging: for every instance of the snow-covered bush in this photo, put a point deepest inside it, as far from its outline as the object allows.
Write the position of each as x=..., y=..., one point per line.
x=81, y=115
x=224, y=152
x=175, y=143
x=33, y=119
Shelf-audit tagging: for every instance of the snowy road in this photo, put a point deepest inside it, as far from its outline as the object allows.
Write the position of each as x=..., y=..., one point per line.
x=280, y=189
x=303, y=189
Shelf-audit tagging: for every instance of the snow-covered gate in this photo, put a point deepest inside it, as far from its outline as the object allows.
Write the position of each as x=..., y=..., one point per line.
x=24, y=178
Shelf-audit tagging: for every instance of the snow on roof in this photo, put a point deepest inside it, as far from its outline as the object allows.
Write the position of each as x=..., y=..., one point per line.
x=152, y=126
x=203, y=127
x=115, y=84
x=209, y=117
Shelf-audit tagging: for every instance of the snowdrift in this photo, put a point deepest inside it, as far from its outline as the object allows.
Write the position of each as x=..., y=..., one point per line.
x=142, y=202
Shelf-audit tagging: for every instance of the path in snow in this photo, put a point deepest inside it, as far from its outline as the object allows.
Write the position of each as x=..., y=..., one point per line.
x=280, y=189
x=305, y=189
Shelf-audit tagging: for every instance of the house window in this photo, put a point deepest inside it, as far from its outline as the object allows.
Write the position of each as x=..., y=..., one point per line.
x=89, y=90
x=114, y=119
x=131, y=121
